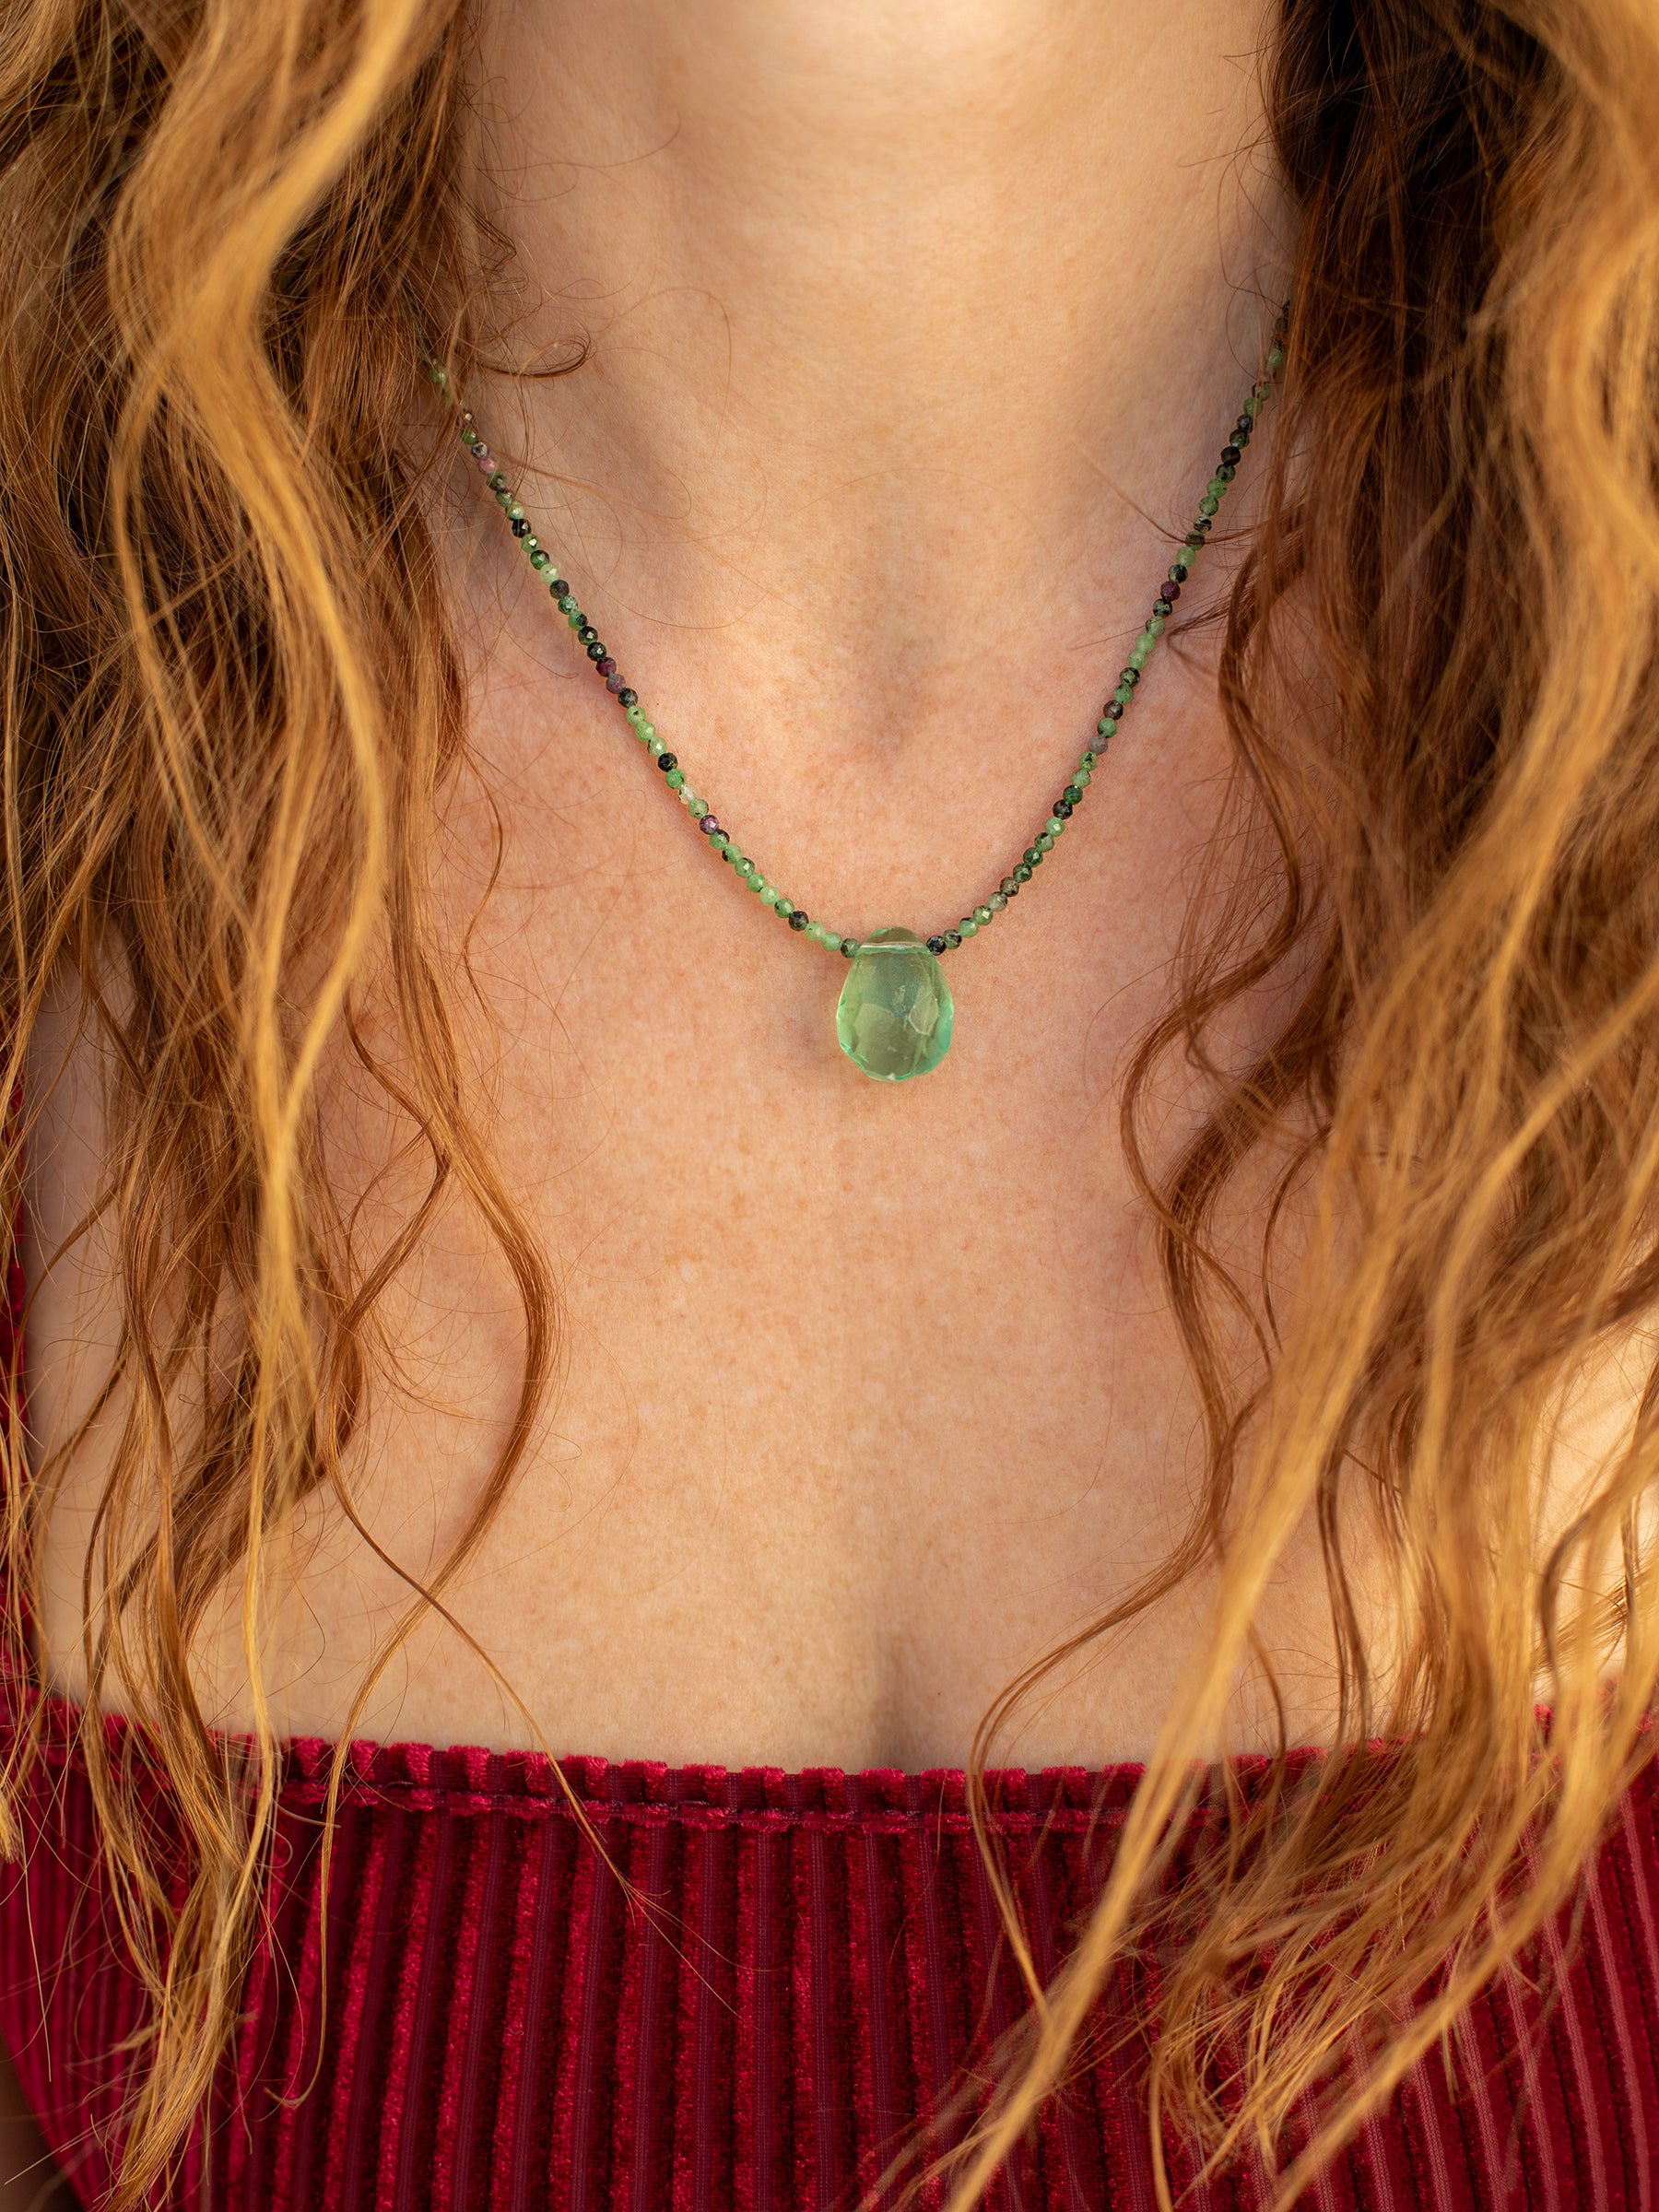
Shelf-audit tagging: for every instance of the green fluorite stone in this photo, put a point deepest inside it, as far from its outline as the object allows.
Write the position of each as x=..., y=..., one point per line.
x=894, y=1015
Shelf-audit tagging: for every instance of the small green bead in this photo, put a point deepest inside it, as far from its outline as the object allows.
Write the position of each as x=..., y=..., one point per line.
x=1081, y=779
x=575, y=617
x=784, y=906
x=718, y=843
x=968, y=926
x=757, y=882
x=1159, y=624
x=503, y=500
x=1123, y=694
x=814, y=930
x=567, y=603
x=1053, y=826
x=516, y=513
x=1024, y=872
x=997, y=902
x=539, y=559
x=1107, y=725
x=768, y=896
x=981, y=914
x=830, y=940
x=1209, y=506
x=1045, y=843
x=1139, y=656
x=1088, y=762
x=1033, y=853
x=656, y=747
x=675, y=778
x=634, y=715
x=1276, y=360
x=648, y=731
x=1072, y=793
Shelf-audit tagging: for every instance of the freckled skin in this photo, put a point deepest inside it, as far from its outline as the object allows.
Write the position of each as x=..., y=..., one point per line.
x=912, y=331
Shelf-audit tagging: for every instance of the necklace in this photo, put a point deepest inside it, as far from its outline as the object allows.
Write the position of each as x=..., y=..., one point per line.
x=895, y=1014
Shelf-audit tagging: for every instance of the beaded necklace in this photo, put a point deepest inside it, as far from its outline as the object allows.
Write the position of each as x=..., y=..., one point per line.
x=894, y=1017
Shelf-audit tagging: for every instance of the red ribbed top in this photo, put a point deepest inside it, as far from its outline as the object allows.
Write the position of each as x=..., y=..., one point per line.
x=815, y=1958
x=811, y=1963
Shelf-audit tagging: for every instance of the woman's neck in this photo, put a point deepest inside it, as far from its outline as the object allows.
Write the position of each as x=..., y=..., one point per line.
x=905, y=319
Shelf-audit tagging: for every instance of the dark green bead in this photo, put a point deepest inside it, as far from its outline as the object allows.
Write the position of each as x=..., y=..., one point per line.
x=1022, y=874
x=849, y=947
x=953, y=938
x=1073, y=793
x=1009, y=886
x=1033, y=856
x=539, y=560
x=498, y=482
x=567, y=603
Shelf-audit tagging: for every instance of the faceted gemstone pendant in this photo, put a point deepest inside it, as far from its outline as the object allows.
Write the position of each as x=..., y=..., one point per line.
x=895, y=1011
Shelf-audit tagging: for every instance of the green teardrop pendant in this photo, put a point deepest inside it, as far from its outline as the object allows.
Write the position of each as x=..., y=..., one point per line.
x=895, y=1013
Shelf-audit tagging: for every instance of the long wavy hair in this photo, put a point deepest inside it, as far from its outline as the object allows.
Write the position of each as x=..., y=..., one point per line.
x=229, y=701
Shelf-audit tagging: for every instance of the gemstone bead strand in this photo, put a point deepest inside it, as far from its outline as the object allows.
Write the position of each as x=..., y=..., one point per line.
x=721, y=842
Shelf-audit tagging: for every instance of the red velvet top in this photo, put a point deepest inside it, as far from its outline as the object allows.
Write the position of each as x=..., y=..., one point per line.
x=813, y=1962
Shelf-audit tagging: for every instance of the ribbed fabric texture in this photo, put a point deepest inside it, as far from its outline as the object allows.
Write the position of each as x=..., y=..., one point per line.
x=813, y=1959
